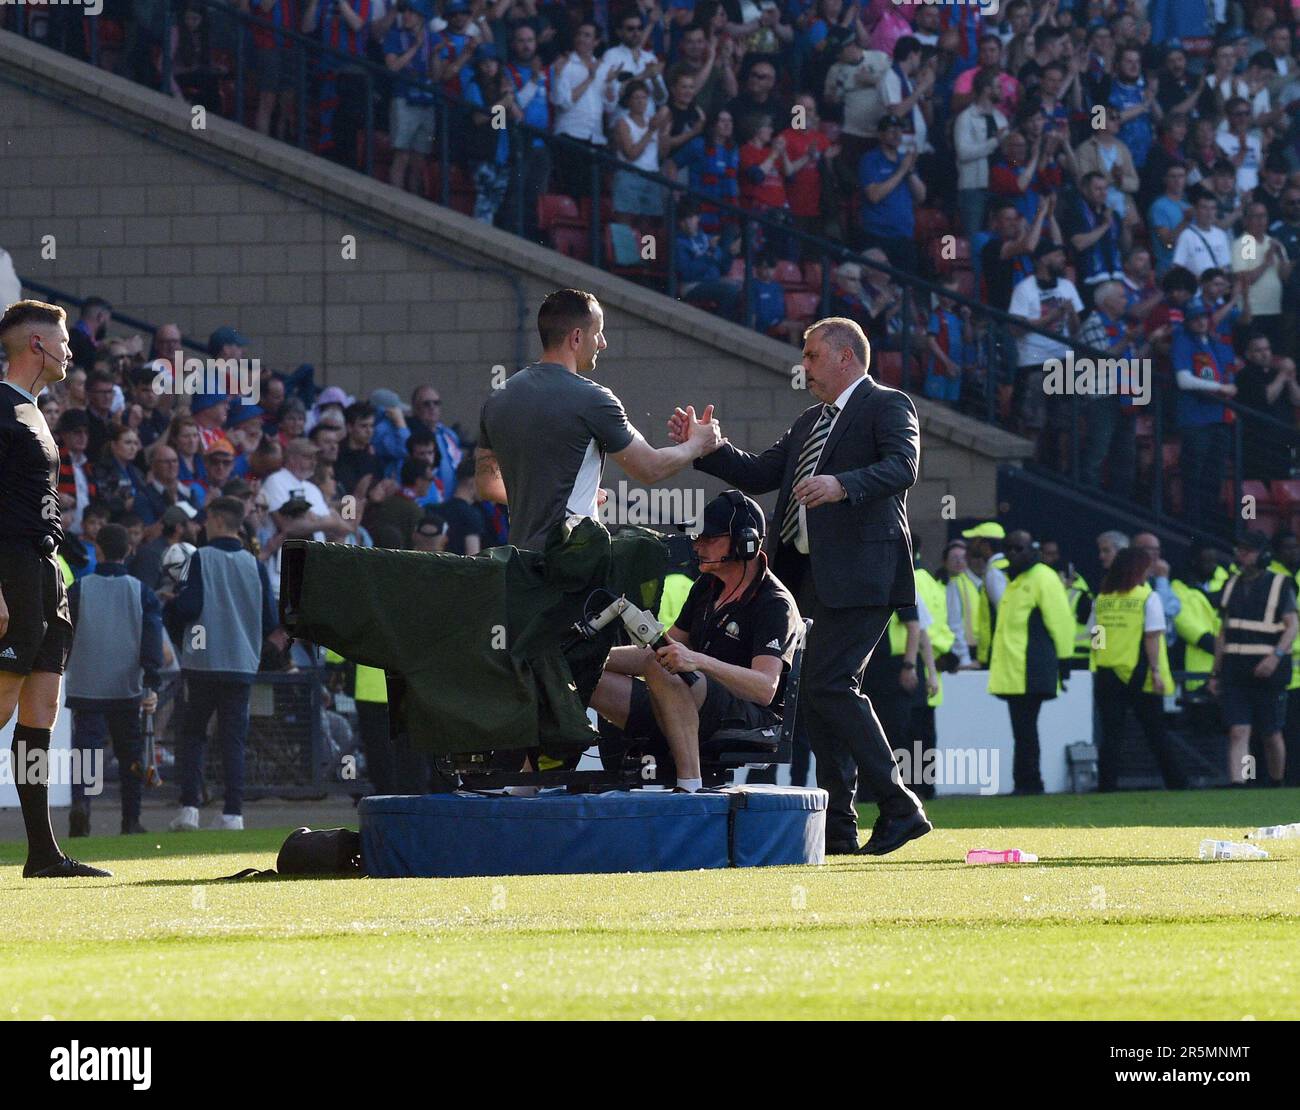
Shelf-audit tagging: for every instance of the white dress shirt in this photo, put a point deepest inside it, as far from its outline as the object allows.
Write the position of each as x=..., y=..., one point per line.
x=583, y=118
x=801, y=539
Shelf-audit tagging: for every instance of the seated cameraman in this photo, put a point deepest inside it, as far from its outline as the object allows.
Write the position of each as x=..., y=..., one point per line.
x=737, y=631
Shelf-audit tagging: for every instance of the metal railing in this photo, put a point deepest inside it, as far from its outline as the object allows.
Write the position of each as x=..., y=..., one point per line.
x=311, y=58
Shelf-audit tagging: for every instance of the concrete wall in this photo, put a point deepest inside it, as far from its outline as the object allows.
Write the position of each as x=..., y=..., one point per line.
x=219, y=225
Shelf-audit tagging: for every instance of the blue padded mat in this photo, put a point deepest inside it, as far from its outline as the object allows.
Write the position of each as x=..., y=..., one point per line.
x=459, y=835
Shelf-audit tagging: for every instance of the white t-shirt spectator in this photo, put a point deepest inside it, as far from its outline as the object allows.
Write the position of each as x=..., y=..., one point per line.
x=623, y=60
x=1248, y=171
x=1029, y=302
x=863, y=105
x=283, y=485
x=1198, y=249
x=583, y=118
x=1265, y=296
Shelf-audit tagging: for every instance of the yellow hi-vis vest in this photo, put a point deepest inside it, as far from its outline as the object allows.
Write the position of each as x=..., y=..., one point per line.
x=1294, y=684
x=968, y=591
x=1195, y=619
x=1082, y=637
x=68, y=576
x=984, y=621
x=1119, y=620
x=676, y=587
x=1039, y=588
x=371, y=685
x=1247, y=637
x=897, y=635
x=935, y=596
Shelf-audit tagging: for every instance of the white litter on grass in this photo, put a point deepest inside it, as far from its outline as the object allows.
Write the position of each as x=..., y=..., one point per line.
x=1230, y=849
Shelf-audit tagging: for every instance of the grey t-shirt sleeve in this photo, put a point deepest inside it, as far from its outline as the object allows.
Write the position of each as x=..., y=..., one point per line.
x=607, y=420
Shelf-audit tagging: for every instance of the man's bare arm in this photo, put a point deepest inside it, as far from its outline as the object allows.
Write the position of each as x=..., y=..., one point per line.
x=488, y=483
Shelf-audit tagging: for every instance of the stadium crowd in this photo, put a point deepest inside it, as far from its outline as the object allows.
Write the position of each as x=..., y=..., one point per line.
x=1107, y=170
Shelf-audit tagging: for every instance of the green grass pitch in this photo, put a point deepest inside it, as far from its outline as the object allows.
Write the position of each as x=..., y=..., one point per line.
x=1118, y=920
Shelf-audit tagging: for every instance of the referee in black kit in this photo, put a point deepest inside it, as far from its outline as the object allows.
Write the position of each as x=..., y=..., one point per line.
x=35, y=627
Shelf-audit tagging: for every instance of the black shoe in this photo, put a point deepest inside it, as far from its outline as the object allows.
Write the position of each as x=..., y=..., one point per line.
x=68, y=868
x=891, y=833
x=133, y=826
x=79, y=821
x=841, y=847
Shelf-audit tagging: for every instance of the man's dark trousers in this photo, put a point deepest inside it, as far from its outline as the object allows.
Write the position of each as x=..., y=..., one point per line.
x=228, y=698
x=842, y=729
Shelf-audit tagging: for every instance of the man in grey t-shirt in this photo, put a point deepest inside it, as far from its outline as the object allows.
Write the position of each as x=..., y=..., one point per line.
x=544, y=436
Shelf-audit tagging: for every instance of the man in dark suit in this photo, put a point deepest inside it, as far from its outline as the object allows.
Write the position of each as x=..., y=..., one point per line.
x=841, y=543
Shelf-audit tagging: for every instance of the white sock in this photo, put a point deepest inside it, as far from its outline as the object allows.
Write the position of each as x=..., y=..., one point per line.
x=690, y=784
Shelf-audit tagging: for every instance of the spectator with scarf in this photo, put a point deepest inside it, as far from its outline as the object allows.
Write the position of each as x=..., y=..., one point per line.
x=344, y=27
x=1095, y=234
x=1203, y=370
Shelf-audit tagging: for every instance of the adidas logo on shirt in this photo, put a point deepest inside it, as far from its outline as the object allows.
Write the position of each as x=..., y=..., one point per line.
x=8, y=653
x=774, y=644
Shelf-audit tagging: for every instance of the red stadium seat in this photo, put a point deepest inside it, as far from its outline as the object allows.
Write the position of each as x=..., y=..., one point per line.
x=558, y=210
x=1266, y=509
x=1286, y=496
x=887, y=366
x=931, y=225
x=572, y=242
x=802, y=307
x=788, y=274
x=606, y=209
x=960, y=252
x=812, y=276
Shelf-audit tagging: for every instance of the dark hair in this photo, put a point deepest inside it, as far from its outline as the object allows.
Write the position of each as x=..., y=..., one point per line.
x=98, y=508
x=986, y=80
x=1264, y=60
x=324, y=427
x=687, y=208
x=634, y=86
x=421, y=436
x=128, y=519
x=230, y=509
x=114, y=542
x=358, y=410
x=1091, y=175
x=91, y=303
x=1046, y=34
x=414, y=469
x=905, y=47
x=561, y=312
x=465, y=471
x=1130, y=569
x=1211, y=273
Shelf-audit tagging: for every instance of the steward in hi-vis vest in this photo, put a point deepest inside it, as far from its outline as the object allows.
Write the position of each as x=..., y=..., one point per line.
x=1033, y=641
x=1130, y=665
x=1252, y=659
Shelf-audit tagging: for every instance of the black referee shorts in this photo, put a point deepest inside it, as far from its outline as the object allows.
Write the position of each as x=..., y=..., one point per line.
x=39, y=636
x=721, y=709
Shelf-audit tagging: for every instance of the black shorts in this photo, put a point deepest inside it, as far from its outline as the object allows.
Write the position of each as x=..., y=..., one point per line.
x=721, y=709
x=39, y=636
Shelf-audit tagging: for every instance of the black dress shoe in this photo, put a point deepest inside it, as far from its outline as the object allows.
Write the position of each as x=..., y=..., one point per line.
x=133, y=826
x=891, y=833
x=68, y=868
x=79, y=821
x=841, y=847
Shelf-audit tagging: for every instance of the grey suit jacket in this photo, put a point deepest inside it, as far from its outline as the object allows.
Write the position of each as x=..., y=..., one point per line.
x=860, y=548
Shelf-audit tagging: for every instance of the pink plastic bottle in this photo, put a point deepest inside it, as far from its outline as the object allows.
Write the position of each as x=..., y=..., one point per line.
x=990, y=855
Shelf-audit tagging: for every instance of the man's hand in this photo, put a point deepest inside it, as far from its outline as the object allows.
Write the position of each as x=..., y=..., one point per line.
x=1266, y=666
x=820, y=489
x=931, y=684
x=1160, y=568
x=705, y=433
x=602, y=495
x=907, y=679
x=1157, y=683
x=149, y=702
x=1212, y=684
x=677, y=657
x=280, y=638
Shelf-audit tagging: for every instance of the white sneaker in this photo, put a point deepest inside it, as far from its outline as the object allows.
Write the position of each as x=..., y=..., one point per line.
x=187, y=820
x=228, y=822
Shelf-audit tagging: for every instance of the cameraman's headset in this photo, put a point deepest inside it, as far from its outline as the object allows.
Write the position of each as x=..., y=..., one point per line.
x=746, y=540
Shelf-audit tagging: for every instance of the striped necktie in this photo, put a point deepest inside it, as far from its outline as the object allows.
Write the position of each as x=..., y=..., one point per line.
x=808, y=458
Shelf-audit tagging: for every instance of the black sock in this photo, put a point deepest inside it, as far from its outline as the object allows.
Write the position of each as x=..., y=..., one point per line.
x=34, y=798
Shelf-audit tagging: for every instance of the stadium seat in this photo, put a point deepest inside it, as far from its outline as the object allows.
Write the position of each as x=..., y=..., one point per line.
x=931, y=224
x=572, y=242
x=961, y=256
x=812, y=276
x=1286, y=496
x=802, y=307
x=558, y=210
x=606, y=210
x=1266, y=509
x=789, y=275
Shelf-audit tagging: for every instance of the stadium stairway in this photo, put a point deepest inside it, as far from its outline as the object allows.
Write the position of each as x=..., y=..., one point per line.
x=115, y=190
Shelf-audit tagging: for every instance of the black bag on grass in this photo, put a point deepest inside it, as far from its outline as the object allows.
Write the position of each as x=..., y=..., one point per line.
x=320, y=852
